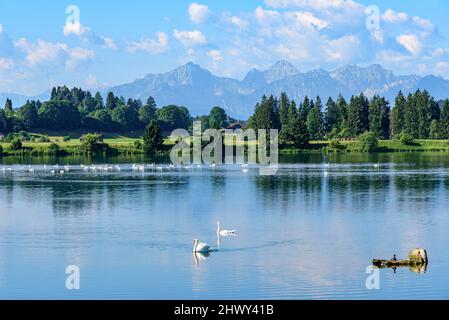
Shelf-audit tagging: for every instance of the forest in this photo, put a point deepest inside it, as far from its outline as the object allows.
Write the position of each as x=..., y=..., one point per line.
x=416, y=116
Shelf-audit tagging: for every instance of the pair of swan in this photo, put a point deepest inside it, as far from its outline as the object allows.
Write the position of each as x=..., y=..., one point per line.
x=200, y=247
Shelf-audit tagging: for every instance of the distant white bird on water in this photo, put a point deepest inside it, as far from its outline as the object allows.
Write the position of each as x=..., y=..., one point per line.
x=200, y=247
x=377, y=165
x=225, y=233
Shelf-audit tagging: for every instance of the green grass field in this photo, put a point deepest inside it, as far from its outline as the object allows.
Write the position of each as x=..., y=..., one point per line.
x=128, y=140
x=393, y=145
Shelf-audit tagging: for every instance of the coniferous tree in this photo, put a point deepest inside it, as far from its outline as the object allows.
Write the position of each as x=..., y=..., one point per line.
x=436, y=130
x=111, y=101
x=342, y=106
x=411, y=117
x=284, y=105
x=358, y=115
x=98, y=101
x=398, y=114
x=315, y=120
x=332, y=118
x=8, y=108
x=266, y=115
x=147, y=111
x=152, y=138
x=379, y=117
x=444, y=118
x=296, y=129
x=305, y=108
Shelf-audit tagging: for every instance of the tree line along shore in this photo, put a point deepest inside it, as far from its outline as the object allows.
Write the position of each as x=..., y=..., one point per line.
x=76, y=122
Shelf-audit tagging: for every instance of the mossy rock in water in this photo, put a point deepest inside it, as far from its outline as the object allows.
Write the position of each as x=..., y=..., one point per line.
x=418, y=256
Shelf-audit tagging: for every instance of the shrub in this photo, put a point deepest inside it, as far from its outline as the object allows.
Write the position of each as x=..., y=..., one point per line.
x=66, y=138
x=9, y=137
x=93, y=144
x=336, y=145
x=16, y=144
x=368, y=142
x=406, y=139
x=1, y=150
x=138, y=145
x=24, y=136
x=53, y=149
x=42, y=138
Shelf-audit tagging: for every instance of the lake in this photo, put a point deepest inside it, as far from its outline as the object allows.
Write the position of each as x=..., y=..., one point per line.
x=301, y=234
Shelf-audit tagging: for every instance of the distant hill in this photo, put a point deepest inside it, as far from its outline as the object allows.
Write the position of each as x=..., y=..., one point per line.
x=19, y=100
x=199, y=90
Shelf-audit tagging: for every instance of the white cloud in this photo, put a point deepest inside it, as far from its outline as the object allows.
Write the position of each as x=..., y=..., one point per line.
x=88, y=36
x=91, y=81
x=189, y=38
x=442, y=69
x=237, y=22
x=378, y=36
x=439, y=52
x=410, y=42
x=41, y=51
x=266, y=16
x=81, y=54
x=292, y=52
x=1, y=28
x=215, y=55
x=394, y=17
x=6, y=64
x=153, y=46
x=52, y=53
x=77, y=56
x=306, y=20
x=344, y=49
x=314, y=4
x=74, y=28
x=198, y=12
x=109, y=43
x=424, y=24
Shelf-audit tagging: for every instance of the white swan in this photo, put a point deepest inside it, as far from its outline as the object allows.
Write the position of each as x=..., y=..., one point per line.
x=224, y=233
x=200, y=247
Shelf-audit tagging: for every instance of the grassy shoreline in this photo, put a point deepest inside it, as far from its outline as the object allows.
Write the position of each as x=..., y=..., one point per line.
x=124, y=144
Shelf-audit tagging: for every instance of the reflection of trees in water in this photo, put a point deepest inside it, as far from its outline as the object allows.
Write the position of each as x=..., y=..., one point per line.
x=218, y=181
x=79, y=196
x=446, y=182
x=286, y=190
x=309, y=192
x=360, y=187
x=7, y=188
x=417, y=186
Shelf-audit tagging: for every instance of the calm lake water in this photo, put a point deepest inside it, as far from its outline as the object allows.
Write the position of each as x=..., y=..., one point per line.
x=302, y=234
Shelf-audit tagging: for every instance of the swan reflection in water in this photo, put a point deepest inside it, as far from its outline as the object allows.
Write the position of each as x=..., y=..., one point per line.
x=219, y=238
x=200, y=256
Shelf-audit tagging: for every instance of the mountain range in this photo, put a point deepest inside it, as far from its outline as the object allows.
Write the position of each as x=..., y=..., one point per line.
x=199, y=90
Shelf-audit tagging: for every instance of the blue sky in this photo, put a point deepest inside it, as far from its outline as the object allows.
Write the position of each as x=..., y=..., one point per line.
x=114, y=42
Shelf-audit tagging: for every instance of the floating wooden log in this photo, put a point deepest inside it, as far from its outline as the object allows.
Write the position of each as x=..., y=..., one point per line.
x=417, y=258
